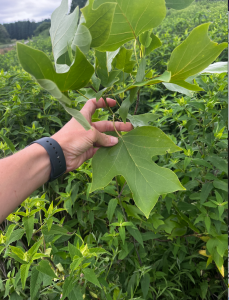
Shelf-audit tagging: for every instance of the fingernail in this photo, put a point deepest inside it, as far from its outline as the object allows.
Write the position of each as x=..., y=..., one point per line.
x=113, y=140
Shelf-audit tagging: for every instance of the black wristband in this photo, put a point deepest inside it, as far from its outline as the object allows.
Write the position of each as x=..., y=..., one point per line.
x=56, y=155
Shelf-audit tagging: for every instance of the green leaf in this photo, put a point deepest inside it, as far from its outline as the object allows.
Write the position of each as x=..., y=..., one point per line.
x=76, y=294
x=45, y=268
x=205, y=191
x=18, y=251
x=28, y=223
x=68, y=286
x=73, y=251
x=82, y=39
x=221, y=185
x=122, y=233
x=39, y=65
x=24, y=270
x=141, y=70
x=99, y=21
x=136, y=234
x=78, y=116
x=131, y=19
x=34, y=248
x=90, y=276
x=219, y=242
x=194, y=54
x=15, y=236
x=111, y=208
x=55, y=229
x=9, y=143
x=35, y=282
x=207, y=222
x=125, y=106
x=142, y=120
x=219, y=163
x=188, y=86
x=63, y=28
x=176, y=88
x=203, y=289
x=145, y=39
x=178, y=4
x=132, y=158
x=218, y=68
x=155, y=43
x=123, y=60
x=156, y=220
x=145, y=283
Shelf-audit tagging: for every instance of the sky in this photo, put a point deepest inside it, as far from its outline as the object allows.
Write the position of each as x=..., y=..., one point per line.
x=20, y=10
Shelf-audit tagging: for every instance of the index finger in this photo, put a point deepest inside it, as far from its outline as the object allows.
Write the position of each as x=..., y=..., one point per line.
x=91, y=105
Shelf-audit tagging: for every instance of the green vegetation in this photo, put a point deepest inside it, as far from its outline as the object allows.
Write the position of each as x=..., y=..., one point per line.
x=4, y=35
x=67, y=241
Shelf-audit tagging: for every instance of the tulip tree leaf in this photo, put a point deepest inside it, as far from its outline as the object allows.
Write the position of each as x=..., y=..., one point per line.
x=176, y=88
x=82, y=39
x=195, y=54
x=99, y=21
x=132, y=158
x=39, y=65
x=123, y=60
x=131, y=18
x=218, y=67
x=188, y=86
x=155, y=43
x=63, y=28
x=178, y=4
x=142, y=120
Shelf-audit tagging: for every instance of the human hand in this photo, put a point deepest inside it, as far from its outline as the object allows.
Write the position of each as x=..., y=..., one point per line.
x=77, y=143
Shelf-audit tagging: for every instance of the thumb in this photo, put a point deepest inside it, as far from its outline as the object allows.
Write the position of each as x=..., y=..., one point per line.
x=105, y=140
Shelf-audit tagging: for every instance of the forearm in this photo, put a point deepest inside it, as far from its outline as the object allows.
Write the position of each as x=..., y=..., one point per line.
x=20, y=175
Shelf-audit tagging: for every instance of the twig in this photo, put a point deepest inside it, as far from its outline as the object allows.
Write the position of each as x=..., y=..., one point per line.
x=115, y=127
x=108, y=107
x=138, y=99
x=93, y=89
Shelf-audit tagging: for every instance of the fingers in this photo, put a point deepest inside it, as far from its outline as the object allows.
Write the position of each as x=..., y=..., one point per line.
x=91, y=105
x=104, y=126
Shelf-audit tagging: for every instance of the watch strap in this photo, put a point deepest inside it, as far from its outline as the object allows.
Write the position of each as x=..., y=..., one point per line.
x=56, y=155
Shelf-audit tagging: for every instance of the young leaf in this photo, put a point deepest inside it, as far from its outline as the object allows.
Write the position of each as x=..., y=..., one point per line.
x=145, y=39
x=194, y=54
x=29, y=225
x=40, y=66
x=45, y=268
x=142, y=120
x=98, y=26
x=155, y=43
x=145, y=283
x=123, y=60
x=35, y=282
x=90, y=276
x=9, y=143
x=136, y=234
x=122, y=233
x=178, y=4
x=145, y=179
x=111, y=208
x=131, y=19
x=63, y=28
x=24, y=270
x=68, y=286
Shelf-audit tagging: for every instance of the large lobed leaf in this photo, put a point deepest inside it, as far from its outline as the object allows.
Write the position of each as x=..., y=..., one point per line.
x=195, y=54
x=130, y=19
x=132, y=158
x=63, y=28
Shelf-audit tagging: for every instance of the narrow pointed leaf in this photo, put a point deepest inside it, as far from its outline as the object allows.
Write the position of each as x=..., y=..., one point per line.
x=29, y=225
x=45, y=268
x=35, y=282
x=90, y=276
x=145, y=179
x=188, y=86
x=136, y=234
x=24, y=269
x=68, y=286
x=9, y=143
x=63, y=28
x=132, y=18
x=178, y=4
x=99, y=21
x=194, y=54
x=111, y=208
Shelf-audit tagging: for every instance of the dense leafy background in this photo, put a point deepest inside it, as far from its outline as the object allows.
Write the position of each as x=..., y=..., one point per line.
x=164, y=257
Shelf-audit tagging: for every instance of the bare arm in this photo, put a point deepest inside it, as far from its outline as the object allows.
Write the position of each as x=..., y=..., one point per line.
x=24, y=172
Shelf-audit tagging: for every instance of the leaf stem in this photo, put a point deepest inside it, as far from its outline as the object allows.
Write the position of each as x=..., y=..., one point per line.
x=138, y=99
x=115, y=127
x=108, y=107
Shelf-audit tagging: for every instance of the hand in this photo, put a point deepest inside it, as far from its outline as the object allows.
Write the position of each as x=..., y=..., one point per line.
x=77, y=143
